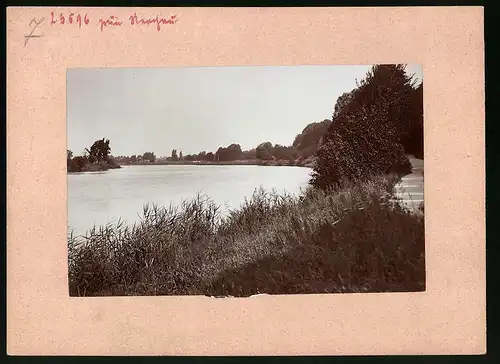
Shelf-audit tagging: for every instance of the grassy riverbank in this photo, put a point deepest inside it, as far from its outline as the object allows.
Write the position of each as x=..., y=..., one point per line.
x=354, y=239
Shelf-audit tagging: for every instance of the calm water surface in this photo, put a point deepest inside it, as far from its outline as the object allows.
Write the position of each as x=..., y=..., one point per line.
x=104, y=197
x=411, y=187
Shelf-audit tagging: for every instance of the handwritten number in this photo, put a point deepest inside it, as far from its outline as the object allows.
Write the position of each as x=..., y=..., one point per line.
x=70, y=19
x=52, y=21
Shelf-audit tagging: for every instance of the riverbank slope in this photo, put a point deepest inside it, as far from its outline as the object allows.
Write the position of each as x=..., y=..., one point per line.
x=355, y=239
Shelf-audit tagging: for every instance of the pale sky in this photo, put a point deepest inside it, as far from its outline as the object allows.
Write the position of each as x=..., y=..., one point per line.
x=194, y=109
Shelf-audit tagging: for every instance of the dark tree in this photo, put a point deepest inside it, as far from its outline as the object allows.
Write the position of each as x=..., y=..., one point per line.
x=69, y=156
x=282, y=152
x=201, y=156
x=149, y=156
x=77, y=164
x=414, y=142
x=249, y=154
x=234, y=152
x=99, y=151
x=210, y=157
x=403, y=99
x=264, y=151
x=174, y=155
x=306, y=143
x=366, y=135
x=231, y=153
x=342, y=103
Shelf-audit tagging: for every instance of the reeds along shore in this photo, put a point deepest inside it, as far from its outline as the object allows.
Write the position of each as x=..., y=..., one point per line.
x=352, y=239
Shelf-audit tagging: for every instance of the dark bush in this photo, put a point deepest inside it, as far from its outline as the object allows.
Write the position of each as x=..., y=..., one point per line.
x=369, y=127
x=77, y=164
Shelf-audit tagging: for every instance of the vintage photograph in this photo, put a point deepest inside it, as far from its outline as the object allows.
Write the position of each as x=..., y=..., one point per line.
x=238, y=181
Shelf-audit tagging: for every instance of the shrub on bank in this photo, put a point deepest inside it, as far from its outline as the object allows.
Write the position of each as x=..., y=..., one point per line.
x=76, y=164
x=373, y=128
x=357, y=147
x=81, y=164
x=354, y=235
x=372, y=248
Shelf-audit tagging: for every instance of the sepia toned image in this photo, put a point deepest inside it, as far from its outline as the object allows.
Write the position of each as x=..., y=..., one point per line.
x=241, y=166
x=236, y=181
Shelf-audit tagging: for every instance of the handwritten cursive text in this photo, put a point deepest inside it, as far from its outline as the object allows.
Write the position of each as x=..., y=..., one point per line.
x=134, y=20
x=113, y=21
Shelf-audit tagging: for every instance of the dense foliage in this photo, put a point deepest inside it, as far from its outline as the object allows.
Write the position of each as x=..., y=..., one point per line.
x=306, y=143
x=373, y=128
x=149, y=157
x=231, y=153
x=99, y=151
x=97, y=157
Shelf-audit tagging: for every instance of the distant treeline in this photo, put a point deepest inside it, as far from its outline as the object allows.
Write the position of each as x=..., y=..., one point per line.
x=385, y=108
x=304, y=147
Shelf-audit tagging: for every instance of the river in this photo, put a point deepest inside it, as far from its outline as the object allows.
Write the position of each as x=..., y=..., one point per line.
x=99, y=198
x=410, y=190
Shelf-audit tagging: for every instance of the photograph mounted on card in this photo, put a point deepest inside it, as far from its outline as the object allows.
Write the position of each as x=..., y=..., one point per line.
x=185, y=181
x=224, y=187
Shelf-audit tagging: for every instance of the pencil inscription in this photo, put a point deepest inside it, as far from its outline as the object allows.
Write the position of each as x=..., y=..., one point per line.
x=34, y=24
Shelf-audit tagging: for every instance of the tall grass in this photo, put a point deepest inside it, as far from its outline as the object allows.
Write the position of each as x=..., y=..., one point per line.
x=352, y=239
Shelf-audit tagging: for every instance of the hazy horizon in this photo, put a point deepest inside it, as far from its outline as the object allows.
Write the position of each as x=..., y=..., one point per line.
x=201, y=108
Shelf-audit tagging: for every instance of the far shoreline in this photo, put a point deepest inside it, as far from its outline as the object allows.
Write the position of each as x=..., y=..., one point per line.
x=95, y=167
x=244, y=162
x=267, y=163
x=307, y=163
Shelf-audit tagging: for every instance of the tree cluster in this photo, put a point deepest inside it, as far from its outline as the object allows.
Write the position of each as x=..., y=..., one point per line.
x=99, y=152
x=306, y=143
x=149, y=157
x=230, y=153
x=373, y=129
x=202, y=156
